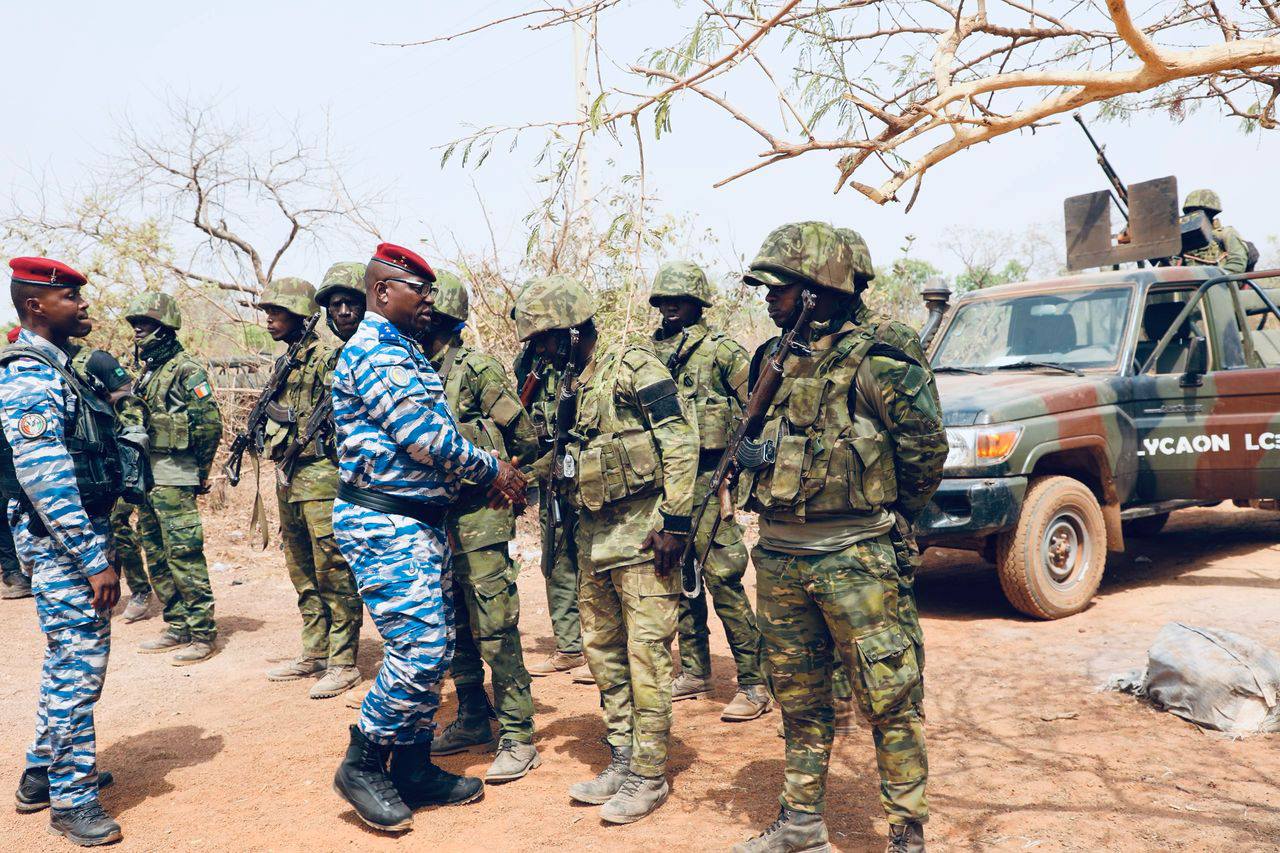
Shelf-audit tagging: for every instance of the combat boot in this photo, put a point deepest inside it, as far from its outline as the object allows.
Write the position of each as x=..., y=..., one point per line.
x=846, y=716
x=299, y=668
x=638, y=798
x=195, y=652
x=599, y=790
x=363, y=782
x=688, y=686
x=421, y=783
x=356, y=699
x=514, y=761
x=471, y=728
x=748, y=703
x=166, y=642
x=138, y=608
x=33, y=789
x=557, y=662
x=792, y=832
x=16, y=585
x=86, y=825
x=336, y=680
x=906, y=838
x=582, y=675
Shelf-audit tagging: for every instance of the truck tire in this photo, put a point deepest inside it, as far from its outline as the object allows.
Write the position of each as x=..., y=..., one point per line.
x=1050, y=565
x=1147, y=525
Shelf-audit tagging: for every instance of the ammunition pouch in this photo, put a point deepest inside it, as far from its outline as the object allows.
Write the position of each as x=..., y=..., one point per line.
x=170, y=432
x=617, y=467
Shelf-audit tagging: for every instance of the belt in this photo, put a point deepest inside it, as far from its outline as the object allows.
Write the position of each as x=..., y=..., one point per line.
x=432, y=515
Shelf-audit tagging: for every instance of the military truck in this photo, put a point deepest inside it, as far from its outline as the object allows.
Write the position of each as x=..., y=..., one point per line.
x=1083, y=410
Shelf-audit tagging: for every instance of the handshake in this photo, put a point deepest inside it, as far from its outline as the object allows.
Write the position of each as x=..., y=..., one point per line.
x=508, y=489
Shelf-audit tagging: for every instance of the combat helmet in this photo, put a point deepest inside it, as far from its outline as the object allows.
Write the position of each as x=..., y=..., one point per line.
x=554, y=302
x=681, y=278
x=1207, y=199
x=861, y=253
x=344, y=275
x=157, y=306
x=814, y=251
x=295, y=295
x=451, y=297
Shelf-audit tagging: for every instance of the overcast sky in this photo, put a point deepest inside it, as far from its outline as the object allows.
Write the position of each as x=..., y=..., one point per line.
x=76, y=68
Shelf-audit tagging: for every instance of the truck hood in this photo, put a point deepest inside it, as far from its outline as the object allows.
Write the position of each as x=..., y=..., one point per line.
x=1017, y=395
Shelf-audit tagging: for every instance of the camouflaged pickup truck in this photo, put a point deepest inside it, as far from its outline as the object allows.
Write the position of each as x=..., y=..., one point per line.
x=1083, y=410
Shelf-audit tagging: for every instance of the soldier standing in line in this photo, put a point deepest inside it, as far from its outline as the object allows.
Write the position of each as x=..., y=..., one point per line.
x=486, y=600
x=402, y=461
x=185, y=428
x=327, y=597
x=630, y=470
x=866, y=415
x=1228, y=249
x=60, y=475
x=710, y=369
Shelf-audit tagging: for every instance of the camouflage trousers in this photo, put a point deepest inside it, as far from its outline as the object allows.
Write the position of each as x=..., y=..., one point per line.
x=173, y=538
x=77, y=644
x=722, y=573
x=327, y=597
x=628, y=623
x=401, y=568
x=487, y=623
x=817, y=609
x=128, y=548
x=562, y=586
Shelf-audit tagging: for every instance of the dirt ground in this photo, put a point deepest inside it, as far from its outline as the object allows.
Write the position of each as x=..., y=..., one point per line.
x=1026, y=752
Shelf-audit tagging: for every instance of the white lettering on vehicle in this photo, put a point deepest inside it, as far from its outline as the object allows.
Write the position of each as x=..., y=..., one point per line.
x=1220, y=442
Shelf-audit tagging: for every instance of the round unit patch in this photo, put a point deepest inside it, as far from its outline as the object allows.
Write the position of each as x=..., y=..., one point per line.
x=32, y=425
x=398, y=376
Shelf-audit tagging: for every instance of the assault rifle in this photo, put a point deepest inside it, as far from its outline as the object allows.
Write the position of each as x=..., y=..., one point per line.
x=250, y=438
x=532, y=382
x=318, y=421
x=562, y=465
x=744, y=442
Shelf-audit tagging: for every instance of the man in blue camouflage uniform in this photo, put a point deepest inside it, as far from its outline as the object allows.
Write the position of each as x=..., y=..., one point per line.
x=56, y=474
x=401, y=463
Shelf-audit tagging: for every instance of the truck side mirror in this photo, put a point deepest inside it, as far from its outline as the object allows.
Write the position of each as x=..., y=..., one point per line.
x=1197, y=363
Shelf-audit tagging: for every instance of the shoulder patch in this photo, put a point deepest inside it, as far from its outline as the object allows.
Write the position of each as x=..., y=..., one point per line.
x=32, y=425
x=398, y=376
x=204, y=389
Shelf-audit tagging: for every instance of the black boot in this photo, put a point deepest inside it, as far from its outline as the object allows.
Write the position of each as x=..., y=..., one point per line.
x=86, y=825
x=362, y=781
x=421, y=783
x=33, y=789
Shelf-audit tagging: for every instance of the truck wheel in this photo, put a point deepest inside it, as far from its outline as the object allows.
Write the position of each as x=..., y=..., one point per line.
x=1050, y=565
x=1147, y=525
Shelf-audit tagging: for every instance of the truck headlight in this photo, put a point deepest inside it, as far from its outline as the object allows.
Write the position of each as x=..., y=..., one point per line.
x=971, y=447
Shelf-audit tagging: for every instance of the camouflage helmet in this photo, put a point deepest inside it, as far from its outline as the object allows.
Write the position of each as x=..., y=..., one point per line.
x=344, y=275
x=681, y=278
x=451, y=296
x=157, y=306
x=1208, y=199
x=295, y=295
x=861, y=253
x=554, y=302
x=815, y=251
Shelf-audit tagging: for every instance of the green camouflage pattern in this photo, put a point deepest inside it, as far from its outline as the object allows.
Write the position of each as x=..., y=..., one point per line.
x=128, y=549
x=327, y=596
x=861, y=252
x=185, y=426
x=681, y=278
x=1208, y=199
x=1227, y=251
x=816, y=610
x=554, y=302
x=315, y=477
x=344, y=275
x=295, y=295
x=157, y=306
x=451, y=297
x=814, y=251
x=173, y=538
x=487, y=618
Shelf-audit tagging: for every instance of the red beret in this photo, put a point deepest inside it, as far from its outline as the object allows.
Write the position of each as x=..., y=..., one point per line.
x=45, y=271
x=13, y=334
x=401, y=258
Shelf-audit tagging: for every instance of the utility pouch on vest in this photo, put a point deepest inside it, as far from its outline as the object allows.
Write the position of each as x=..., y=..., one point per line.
x=618, y=467
x=170, y=432
x=715, y=423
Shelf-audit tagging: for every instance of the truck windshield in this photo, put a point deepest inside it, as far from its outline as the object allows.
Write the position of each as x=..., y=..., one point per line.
x=1071, y=329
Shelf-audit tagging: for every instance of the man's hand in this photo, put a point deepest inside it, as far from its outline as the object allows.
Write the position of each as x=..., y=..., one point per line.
x=508, y=488
x=106, y=590
x=667, y=549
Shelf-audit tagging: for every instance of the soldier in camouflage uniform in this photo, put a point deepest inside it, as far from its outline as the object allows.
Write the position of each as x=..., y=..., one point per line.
x=486, y=602
x=327, y=597
x=630, y=470
x=184, y=429
x=1228, y=249
x=710, y=369
x=859, y=441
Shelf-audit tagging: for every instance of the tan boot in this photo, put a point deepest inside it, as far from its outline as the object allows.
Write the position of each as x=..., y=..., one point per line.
x=303, y=667
x=558, y=662
x=336, y=679
x=195, y=652
x=355, y=698
x=638, y=798
x=906, y=838
x=166, y=642
x=688, y=686
x=138, y=608
x=582, y=675
x=748, y=703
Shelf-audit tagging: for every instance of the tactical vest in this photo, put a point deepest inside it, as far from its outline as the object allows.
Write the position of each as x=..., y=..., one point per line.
x=293, y=407
x=482, y=431
x=170, y=431
x=829, y=462
x=616, y=458
x=717, y=409
x=90, y=441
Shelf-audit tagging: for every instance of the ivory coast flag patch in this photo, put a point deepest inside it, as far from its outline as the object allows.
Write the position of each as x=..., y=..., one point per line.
x=32, y=425
x=204, y=389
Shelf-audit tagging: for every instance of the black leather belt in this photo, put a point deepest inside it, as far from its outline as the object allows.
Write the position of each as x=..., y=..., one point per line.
x=432, y=515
